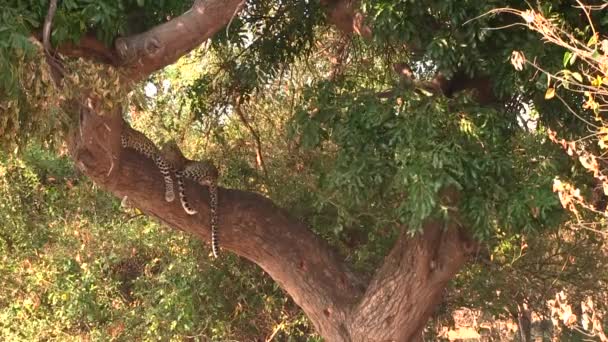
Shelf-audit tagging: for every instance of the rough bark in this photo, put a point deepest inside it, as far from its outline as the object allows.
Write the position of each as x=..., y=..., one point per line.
x=402, y=294
x=142, y=54
x=164, y=44
x=250, y=224
x=397, y=302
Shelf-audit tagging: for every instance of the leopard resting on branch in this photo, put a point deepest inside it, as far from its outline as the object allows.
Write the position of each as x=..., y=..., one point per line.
x=204, y=173
x=137, y=141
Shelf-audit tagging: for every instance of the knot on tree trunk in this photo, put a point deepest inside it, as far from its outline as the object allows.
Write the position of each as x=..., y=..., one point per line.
x=95, y=142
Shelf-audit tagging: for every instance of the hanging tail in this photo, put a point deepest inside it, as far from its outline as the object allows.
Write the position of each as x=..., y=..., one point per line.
x=215, y=241
x=182, y=194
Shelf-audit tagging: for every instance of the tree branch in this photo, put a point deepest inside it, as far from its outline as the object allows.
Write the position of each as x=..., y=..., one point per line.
x=164, y=44
x=344, y=14
x=146, y=52
x=250, y=224
x=397, y=303
x=259, y=158
x=55, y=64
x=406, y=289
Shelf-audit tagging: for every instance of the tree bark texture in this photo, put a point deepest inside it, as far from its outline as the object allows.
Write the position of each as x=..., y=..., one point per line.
x=394, y=306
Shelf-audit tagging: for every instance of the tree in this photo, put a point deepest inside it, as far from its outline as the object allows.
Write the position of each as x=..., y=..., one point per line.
x=412, y=119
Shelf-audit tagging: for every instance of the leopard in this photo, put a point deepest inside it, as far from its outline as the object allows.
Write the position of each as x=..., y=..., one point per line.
x=135, y=140
x=205, y=173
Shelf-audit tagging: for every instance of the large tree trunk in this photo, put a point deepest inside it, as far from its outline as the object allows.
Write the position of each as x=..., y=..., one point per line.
x=394, y=306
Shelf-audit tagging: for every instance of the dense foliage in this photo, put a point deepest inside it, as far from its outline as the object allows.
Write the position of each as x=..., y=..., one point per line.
x=76, y=265
x=356, y=166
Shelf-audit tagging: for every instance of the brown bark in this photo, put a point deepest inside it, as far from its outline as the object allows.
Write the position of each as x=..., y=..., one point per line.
x=402, y=294
x=250, y=224
x=345, y=15
x=164, y=44
x=142, y=54
x=396, y=304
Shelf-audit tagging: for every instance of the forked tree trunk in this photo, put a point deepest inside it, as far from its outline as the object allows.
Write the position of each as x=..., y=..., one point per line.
x=394, y=306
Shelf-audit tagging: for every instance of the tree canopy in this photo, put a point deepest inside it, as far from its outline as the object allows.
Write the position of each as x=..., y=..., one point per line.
x=366, y=150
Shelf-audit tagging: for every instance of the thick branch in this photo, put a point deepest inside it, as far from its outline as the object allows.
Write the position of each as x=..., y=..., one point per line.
x=164, y=44
x=89, y=47
x=250, y=225
x=144, y=53
x=404, y=292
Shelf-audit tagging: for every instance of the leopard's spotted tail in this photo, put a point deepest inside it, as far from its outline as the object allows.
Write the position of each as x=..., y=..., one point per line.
x=179, y=176
x=215, y=241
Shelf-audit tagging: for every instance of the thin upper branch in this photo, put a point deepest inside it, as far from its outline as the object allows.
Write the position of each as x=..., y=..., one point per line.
x=346, y=16
x=55, y=64
x=46, y=28
x=259, y=157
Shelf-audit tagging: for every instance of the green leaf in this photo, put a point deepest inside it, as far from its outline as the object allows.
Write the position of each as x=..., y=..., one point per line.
x=567, y=57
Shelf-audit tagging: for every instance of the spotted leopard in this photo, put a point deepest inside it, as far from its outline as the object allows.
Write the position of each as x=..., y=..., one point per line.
x=137, y=141
x=204, y=173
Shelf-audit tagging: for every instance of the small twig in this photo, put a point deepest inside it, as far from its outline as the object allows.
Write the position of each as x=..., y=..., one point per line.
x=274, y=333
x=56, y=68
x=236, y=10
x=46, y=29
x=584, y=8
x=132, y=217
x=575, y=113
x=258, y=150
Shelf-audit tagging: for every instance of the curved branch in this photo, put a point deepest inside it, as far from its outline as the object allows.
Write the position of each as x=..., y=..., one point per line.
x=46, y=28
x=144, y=53
x=250, y=224
x=55, y=64
x=164, y=44
x=404, y=292
x=396, y=304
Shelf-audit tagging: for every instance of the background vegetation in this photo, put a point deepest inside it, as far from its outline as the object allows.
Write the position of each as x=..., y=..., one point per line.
x=290, y=109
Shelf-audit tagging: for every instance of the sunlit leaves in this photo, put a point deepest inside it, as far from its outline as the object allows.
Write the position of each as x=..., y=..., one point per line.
x=404, y=156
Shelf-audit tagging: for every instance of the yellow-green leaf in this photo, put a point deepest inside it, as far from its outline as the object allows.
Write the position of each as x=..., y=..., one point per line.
x=550, y=93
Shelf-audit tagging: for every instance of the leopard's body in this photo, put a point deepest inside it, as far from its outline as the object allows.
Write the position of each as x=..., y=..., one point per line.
x=137, y=141
x=204, y=173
